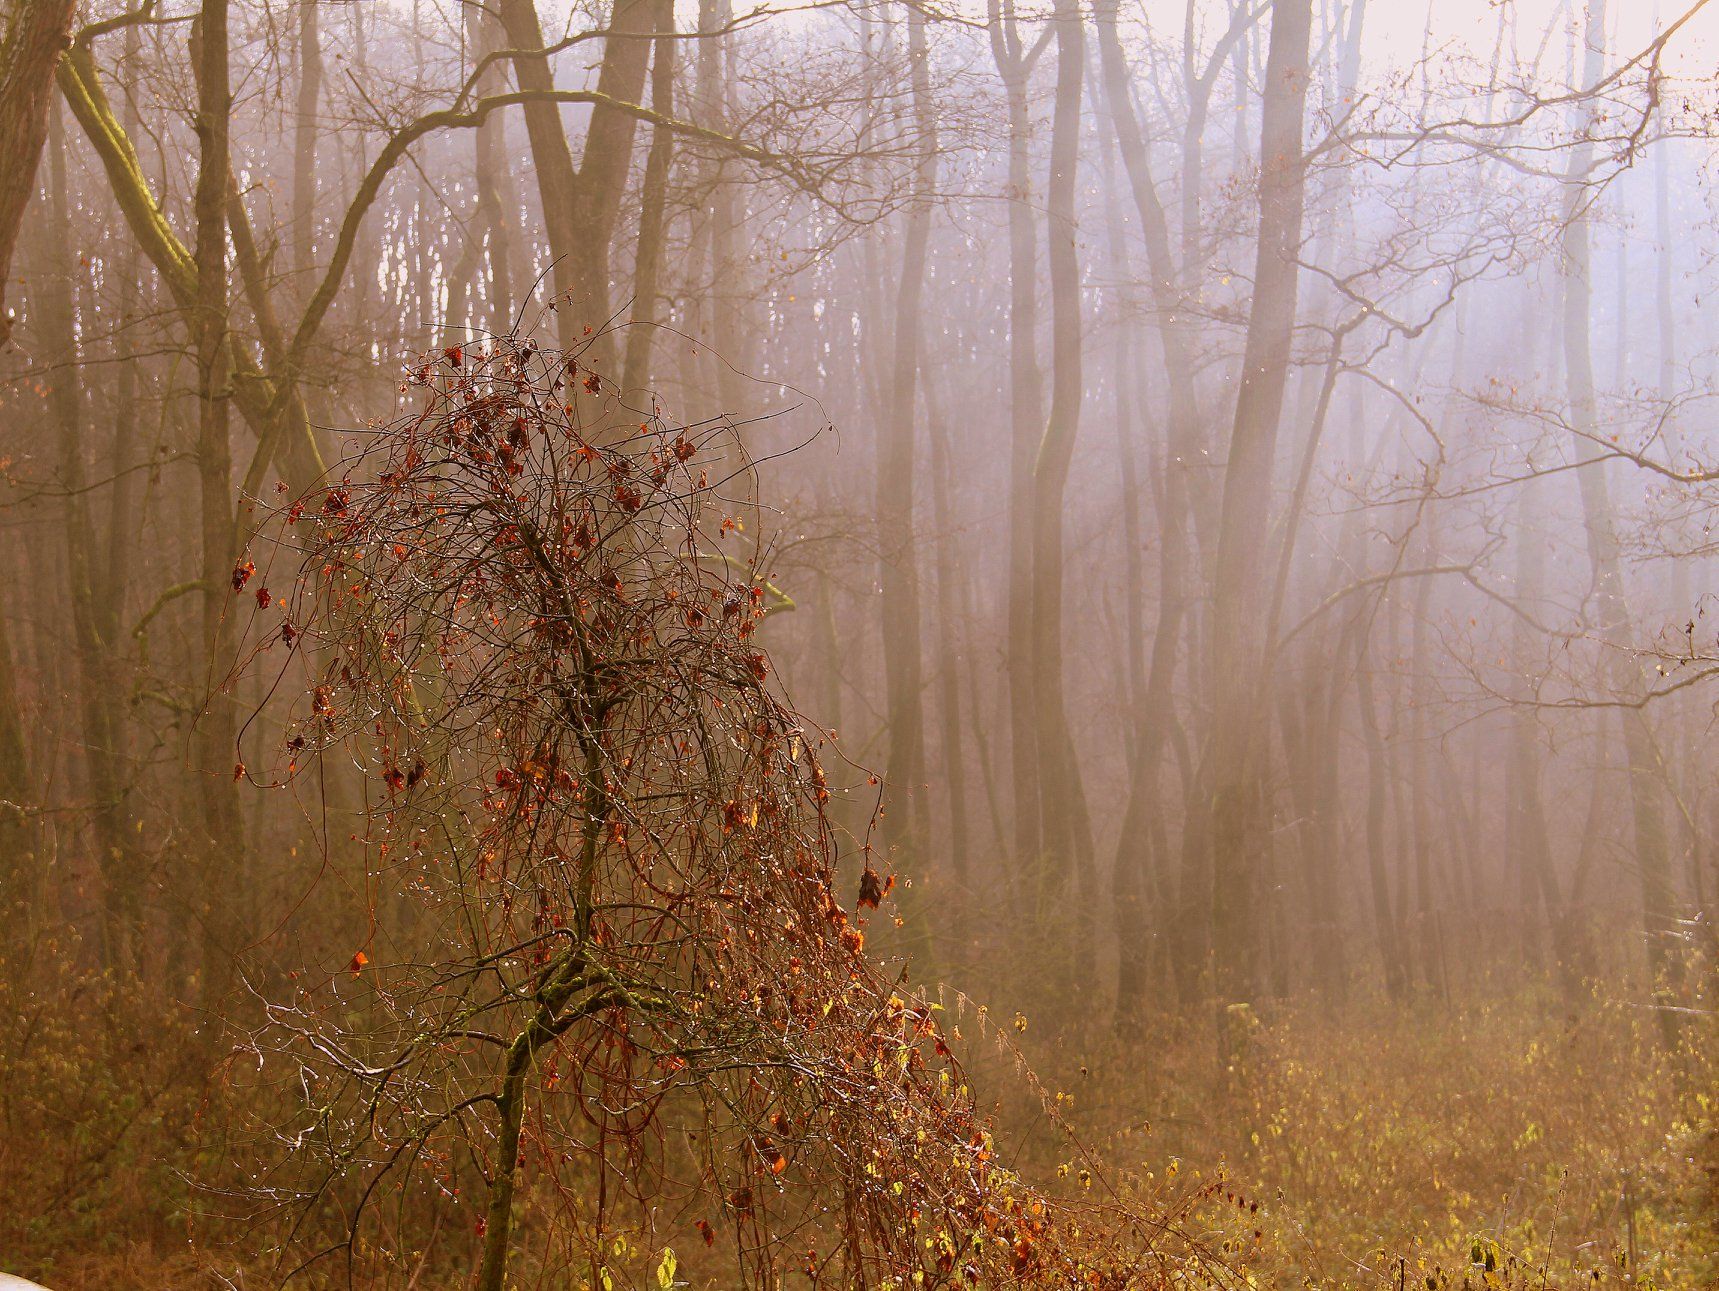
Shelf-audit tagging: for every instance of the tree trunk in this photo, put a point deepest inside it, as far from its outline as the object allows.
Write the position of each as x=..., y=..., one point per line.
x=1615, y=626
x=1682, y=601
x=728, y=285
x=603, y=166
x=1380, y=766
x=303, y=240
x=1148, y=714
x=1428, y=946
x=17, y=828
x=953, y=758
x=32, y=35
x=57, y=309
x=1527, y=843
x=905, y=828
x=1026, y=400
x=1237, y=752
x=1067, y=834
x=1168, y=281
x=225, y=871
x=551, y=155
x=498, y=203
x=653, y=204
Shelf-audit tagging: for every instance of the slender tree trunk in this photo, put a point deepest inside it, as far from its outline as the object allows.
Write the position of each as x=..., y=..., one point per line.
x=1615, y=626
x=1379, y=770
x=707, y=95
x=729, y=286
x=1026, y=408
x=57, y=306
x=303, y=240
x=953, y=758
x=498, y=1217
x=1188, y=499
x=1682, y=600
x=18, y=832
x=225, y=870
x=454, y=325
x=1428, y=948
x=1147, y=691
x=1237, y=755
x=1527, y=843
x=1067, y=835
x=1310, y=696
x=653, y=204
x=1185, y=490
x=905, y=827
x=363, y=307
x=112, y=584
x=498, y=202
x=487, y=236
x=1144, y=728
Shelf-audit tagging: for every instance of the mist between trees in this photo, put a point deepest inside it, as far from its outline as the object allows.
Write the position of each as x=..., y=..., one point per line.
x=858, y=644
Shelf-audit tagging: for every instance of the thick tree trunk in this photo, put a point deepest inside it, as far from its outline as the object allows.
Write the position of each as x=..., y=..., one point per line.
x=603, y=167
x=32, y=35
x=581, y=205
x=551, y=155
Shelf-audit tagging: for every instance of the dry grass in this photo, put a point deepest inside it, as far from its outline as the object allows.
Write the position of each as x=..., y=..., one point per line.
x=1560, y=1145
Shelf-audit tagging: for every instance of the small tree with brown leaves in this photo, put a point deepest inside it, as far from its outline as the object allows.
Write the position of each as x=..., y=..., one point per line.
x=632, y=992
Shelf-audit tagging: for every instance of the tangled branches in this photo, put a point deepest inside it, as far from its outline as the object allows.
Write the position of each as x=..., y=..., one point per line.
x=629, y=1003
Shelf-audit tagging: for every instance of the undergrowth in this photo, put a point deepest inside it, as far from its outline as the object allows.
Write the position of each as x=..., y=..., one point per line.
x=1520, y=1141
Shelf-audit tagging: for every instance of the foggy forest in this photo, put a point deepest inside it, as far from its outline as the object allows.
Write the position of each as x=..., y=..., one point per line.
x=859, y=644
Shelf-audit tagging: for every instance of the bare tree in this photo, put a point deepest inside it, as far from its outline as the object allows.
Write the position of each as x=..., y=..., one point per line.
x=625, y=873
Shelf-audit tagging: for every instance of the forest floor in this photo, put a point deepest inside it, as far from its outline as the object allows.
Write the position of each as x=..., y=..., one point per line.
x=1544, y=1141
x=1389, y=1146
